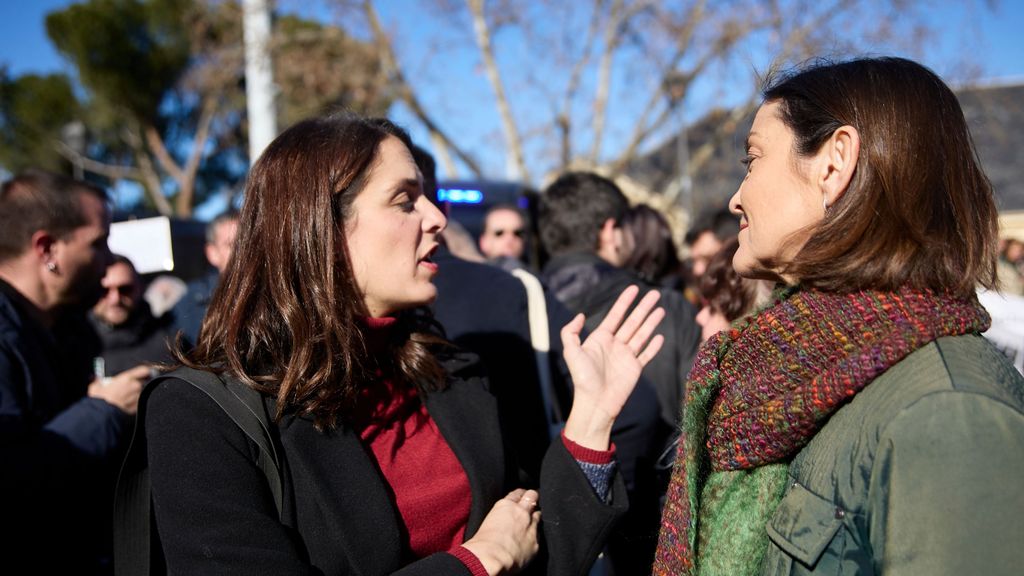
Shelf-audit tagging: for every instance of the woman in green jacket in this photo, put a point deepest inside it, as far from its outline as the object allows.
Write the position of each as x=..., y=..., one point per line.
x=859, y=424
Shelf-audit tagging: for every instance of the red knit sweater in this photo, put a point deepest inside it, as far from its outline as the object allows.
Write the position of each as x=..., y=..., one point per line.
x=427, y=481
x=428, y=484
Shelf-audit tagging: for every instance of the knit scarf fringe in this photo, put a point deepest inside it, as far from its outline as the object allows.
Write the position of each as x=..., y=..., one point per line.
x=760, y=391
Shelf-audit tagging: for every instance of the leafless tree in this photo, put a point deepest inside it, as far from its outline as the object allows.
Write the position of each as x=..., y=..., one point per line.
x=597, y=83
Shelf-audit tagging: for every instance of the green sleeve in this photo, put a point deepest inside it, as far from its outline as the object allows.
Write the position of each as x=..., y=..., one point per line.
x=946, y=494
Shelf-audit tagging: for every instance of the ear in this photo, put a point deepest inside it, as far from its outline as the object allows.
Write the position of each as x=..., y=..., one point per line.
x=606, y=237
x=838, y=162
x=42, y=245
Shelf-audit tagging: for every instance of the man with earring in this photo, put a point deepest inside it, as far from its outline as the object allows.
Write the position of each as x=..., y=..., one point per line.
x=60, y=427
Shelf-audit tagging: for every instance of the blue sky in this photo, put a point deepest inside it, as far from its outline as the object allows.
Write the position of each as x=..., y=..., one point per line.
x=989, y=40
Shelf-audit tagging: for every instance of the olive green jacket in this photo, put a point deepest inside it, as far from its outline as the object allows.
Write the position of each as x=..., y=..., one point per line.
x=922, y=473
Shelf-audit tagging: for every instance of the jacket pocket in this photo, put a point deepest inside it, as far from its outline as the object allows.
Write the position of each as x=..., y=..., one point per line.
x=804, y=525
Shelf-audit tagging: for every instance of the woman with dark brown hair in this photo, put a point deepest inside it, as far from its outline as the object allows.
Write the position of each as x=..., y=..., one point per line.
x=652, y=252
x=390, y=449
x=859, y=424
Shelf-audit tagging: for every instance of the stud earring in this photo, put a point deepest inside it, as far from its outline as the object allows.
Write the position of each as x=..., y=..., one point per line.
x=52, y=267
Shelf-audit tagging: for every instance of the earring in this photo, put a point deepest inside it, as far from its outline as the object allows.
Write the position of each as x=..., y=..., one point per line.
x=824, y=203
x=52, y=267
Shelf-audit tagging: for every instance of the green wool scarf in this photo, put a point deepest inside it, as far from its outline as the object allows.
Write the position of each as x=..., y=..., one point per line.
x=760, y=391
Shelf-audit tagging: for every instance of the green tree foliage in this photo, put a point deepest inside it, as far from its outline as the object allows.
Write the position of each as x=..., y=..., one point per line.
x=128, y=53
x=164, y=84
x=33, y=112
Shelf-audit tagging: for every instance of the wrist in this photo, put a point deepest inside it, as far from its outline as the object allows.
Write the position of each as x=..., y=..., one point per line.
x=589, y=428
x=470, y=561
x=485, y=556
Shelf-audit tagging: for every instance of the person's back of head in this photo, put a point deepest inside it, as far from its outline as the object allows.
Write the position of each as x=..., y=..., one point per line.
x=575, y=209
x=428, y=169
x=653, y=252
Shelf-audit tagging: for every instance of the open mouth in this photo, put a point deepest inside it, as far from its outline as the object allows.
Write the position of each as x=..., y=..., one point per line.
x=427, y=260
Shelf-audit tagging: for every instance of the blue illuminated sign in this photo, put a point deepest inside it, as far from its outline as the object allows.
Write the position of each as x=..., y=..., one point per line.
x=459, y=196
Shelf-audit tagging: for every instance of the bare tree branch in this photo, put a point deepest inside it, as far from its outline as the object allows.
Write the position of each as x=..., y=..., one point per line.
x=604, y=76
x=508, y=122
x=187, y=186
x=405, y=91
x=563, y=118
x=115, y=172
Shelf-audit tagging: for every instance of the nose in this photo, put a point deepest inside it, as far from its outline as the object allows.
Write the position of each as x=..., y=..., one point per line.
x=734, y=203
x=434, y=220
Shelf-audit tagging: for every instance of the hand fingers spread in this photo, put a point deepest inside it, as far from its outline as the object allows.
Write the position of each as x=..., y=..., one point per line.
x=614, y=316
x=640, y=337
x=651, y=350
x=637, y=316
x=571, y=332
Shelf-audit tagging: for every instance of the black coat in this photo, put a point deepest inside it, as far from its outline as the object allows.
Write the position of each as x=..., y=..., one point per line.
x=586, y=283
x=483, y=309
x=58, y=447
x=214, y=511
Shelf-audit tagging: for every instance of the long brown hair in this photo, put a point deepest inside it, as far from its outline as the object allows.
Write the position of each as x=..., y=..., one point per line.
x=286, y=316
x=918, y=211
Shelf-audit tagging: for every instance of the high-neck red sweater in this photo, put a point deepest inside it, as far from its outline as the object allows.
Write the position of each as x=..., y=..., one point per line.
x=428, y=484
x=427, y=481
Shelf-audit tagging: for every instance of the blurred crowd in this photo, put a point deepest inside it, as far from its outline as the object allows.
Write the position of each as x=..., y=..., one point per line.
x=82, y=332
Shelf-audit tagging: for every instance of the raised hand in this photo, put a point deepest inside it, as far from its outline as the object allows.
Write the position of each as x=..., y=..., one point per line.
x=606, y=366
x=507, y=538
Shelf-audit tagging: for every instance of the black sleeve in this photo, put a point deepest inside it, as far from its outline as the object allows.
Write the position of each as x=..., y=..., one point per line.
x=575, y=523
x=214, y=511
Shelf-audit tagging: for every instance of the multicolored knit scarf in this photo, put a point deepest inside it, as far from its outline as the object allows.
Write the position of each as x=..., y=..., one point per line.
x=759, y=392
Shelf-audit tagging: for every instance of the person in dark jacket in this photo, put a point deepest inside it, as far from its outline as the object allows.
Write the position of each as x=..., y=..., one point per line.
x=60, y=429
x=190, y=310
x=130, y=334
x=485, y=310
x=392, y=448
x=580, y=217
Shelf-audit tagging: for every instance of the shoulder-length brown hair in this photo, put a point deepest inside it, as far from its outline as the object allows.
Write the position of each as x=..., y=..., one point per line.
x=919, y=210
x=286, y=316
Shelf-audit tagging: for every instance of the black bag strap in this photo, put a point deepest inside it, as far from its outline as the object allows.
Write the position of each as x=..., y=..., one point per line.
x=133, y=540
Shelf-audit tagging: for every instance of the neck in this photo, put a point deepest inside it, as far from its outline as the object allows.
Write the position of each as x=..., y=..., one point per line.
x=377, y=331
x=19, y=275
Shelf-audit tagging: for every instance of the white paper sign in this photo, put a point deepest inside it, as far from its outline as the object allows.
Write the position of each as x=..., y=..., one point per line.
x=146, y=242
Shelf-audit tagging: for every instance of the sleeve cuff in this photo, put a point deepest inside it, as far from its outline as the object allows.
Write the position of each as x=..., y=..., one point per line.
x=469, y=560
x=588, y=455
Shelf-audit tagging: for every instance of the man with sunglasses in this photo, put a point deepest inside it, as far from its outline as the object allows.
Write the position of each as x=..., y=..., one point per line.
x=130, y=333
x=503, y=239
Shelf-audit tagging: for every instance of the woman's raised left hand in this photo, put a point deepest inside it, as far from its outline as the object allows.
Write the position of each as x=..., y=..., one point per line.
x=606, y=366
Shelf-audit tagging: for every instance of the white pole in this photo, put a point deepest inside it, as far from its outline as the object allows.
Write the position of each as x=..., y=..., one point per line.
x=259, y=77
